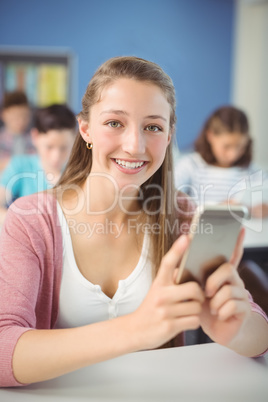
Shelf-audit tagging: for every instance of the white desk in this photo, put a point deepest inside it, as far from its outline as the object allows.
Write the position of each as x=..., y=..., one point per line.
x=200, y=373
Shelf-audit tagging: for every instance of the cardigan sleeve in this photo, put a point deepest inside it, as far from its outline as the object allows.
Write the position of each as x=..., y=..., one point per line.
x=257, y=309
x=19, y=284
x=27, y=282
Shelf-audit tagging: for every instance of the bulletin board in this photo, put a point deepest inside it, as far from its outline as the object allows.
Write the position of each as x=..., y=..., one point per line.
x=45, y=76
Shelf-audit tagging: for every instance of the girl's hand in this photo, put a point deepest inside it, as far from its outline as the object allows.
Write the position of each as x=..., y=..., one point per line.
x=168, y=308
x=227, y=307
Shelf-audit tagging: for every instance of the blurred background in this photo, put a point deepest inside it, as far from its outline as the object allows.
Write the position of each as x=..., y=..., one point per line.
x=216, y=52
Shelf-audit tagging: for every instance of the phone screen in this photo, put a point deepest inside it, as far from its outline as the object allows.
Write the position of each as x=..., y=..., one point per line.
x=213, y=233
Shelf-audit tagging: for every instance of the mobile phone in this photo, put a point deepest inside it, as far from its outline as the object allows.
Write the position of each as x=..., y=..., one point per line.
x=213, y=234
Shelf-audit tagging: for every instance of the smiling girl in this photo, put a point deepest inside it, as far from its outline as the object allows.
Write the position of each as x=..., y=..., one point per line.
x=78, y=299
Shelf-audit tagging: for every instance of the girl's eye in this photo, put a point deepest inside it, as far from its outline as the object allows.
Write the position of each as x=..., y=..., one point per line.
x=114, y=124
x=153, y=128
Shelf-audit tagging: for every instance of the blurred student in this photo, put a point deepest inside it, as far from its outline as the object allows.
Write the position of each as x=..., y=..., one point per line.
x=15, y=137
x=217, y=172
x=221, y=168
x=53, y=135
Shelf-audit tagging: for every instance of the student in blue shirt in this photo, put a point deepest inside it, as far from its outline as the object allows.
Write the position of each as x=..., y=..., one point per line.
x=53, y=135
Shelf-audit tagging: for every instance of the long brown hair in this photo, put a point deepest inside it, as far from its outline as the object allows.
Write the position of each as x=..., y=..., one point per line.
x=224, y=119
x=80, y=162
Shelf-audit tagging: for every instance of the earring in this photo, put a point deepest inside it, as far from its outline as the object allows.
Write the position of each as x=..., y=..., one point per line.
x=89, y=146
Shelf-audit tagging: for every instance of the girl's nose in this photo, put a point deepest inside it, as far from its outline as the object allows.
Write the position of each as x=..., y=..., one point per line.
x=134, y=142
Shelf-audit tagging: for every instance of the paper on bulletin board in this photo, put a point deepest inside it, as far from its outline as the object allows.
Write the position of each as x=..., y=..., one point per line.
x=52, y=84
x=44, y=84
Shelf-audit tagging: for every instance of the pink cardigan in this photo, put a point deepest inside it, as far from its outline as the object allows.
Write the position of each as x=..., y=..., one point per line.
x=30, y=273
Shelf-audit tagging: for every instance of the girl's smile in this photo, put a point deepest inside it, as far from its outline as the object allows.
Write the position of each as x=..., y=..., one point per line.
x=129, y=166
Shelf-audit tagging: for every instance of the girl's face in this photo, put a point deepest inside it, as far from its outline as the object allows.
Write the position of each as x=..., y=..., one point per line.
x=129, y=131
x=227, y=147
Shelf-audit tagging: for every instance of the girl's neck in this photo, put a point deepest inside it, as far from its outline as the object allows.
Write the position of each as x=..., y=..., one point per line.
x=104, y=199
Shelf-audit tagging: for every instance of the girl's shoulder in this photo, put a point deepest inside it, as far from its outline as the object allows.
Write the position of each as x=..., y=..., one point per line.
x=32, y=223
x=43, y=202
x=36, y=212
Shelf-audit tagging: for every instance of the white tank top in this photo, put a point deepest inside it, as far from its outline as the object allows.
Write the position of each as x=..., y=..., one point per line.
x=81, y=302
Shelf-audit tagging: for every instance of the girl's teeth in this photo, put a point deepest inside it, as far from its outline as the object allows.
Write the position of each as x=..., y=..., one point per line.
x=129, y=165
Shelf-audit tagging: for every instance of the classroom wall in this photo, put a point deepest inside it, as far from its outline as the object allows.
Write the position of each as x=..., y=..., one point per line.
x=191, y=39
x=250, y=78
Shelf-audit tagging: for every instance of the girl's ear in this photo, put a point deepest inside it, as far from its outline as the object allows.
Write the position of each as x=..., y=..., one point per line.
x=84, y=130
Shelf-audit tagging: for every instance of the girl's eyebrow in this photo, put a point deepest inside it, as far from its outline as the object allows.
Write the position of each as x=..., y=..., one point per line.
x=116, y=111
x=156, y=116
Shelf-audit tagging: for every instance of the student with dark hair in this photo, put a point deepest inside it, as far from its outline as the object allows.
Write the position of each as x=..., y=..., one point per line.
x=221, y=166
x=15, y=135
x=53, y=136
